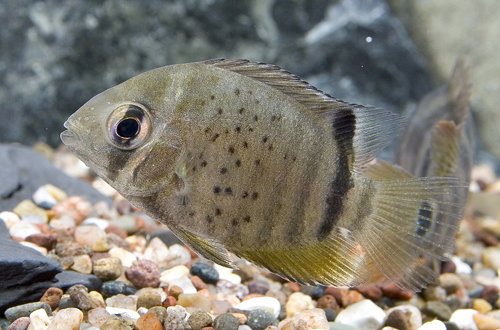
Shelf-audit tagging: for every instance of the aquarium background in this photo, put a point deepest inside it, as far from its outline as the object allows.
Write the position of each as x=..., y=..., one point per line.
x=57, y=54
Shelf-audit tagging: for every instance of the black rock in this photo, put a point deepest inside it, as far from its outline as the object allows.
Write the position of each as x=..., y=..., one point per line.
x=68, y=278
x=112, y=288
x=4, y=232
x=259, y=319
x=331, y=314
x=226, y=321
x=206, y=272
x=16, y=312
x=23, y=171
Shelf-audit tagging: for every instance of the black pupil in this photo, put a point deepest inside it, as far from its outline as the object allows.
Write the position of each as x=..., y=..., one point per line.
x=127, y=128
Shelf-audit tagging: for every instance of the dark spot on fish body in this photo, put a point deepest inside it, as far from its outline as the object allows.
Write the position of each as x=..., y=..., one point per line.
x=231, y=150
x=246, y=218
x=244, y=195
x=203, y=164
x=264, y=139
x=223, y=170
x=218, y=212
x=270, y=147
x=241, y=111
x=257, y=162
x=234, y=222
x=237, y=92
x=424, y=219
x=255, y=195
x=216, y=190
x=219, y=111
x=191, y=214
x=209, y=218
x=255, y=118
x=206, y=130
x=238, y=163
x=216, y=135
x=212, y=97
x=273, y=118
x=238, y=129
x=228, y=191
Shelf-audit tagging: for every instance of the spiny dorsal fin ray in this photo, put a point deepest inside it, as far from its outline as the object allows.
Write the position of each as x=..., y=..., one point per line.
x=406, y=225
x=206, y=248
x=337, y=260
x=459, y=92
x=362, y=138
x=445, y=148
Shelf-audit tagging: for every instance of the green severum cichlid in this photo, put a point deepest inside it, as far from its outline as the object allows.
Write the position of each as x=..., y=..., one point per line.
x=244, y=157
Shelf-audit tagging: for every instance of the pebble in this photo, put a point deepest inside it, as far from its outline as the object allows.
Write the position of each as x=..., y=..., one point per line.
x=198, y=283
x=372, y=292
x=412, y=314
x=199, y=320
x=397, y=319
x=116, y=322
x=206, y=272
x=82, y=264
x=179, y=255
x=328, y=301
x=158, y=252
x=57, y=193
x=259, y=286
x=195, y=300
x=21, y=323
x=461, y=267
x=169, y=301
x=47, y=241
x=84, y=300
x=127, y=258
x=97, y=316
x=28, y=207
x=9, y=218
x=463, y=318
x=113, y=229
x=228, y=288
x=124, y=312
x=259, y=319
x=185, y=284
x=107, y=269
x=42, y=196
x=310, y=319
x=176, y=318
x=491, y=257
x=39, y=320
x=160, y=312
x=362, y=315
x=450, y=282
x=392, y=291
x=220, y=306
x=112, y=288
x=97, y=296
x=125, y=222
x=149, y=299
x=23, y=229
x=490, y=293
x=66, y=249
x=89, y=235
x=144, y=273
x=484, y=322
x=434, y=292
x=231, y=277
x=122, y=301
x=25, y=310
x=226, y=321
x=67, y=319
x=66, y=302
x=173, y=273
x=272, y=305
x=241, y=317
x=298, y=302
x=437, y=309
x=33, y=246
x=481, y=305
x=52, y=296
x=433, y=325
x=149, y=321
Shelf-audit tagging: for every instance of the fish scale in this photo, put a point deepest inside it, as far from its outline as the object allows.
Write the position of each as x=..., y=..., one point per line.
x=246, y=158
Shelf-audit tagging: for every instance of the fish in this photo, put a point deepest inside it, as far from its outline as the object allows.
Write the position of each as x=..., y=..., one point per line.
x=245, y=159
x=439, y=142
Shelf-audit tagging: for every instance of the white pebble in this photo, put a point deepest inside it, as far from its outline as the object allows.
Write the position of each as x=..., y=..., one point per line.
x=23, y=229
x=102, y=224
x=33, y=218
x=462, y=267
x=412, y=313
x=434, y=325
x=463, y=318
x=39, y=320
x=362, y=315
x=67, y=319
x=9, y=218
x=311, y=319
x=185, y=284
x=298, y=302
x=42, y=195
x=64, y=222
x=121, y=311
x=231, y=277
x=244, y=327
x=174, y=273
x=142, y=310
x=179, y=255
x=272, y=305
x=125, y=256
x=176, y=318
x=157, y=252
x=40, y=249
x=221, y=269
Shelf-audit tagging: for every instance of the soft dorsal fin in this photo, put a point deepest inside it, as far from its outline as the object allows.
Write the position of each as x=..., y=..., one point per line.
x=459, y=92
x=362, y=131
x=445, y=148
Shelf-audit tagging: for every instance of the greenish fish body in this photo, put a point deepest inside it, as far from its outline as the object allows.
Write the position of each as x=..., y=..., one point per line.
x=244, y=157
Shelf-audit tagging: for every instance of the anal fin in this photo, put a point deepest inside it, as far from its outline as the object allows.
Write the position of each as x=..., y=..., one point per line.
x=206, y=248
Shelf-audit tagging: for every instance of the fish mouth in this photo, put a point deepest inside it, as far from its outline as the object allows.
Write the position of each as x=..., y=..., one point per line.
x=69, y=137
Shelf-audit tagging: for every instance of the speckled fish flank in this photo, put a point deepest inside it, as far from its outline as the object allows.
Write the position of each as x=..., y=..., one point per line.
x=243, y=157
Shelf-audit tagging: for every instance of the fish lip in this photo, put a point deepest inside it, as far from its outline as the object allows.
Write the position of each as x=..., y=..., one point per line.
x=69, y=136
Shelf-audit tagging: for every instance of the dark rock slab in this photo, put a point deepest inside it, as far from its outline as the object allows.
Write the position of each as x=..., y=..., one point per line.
x=23, y=170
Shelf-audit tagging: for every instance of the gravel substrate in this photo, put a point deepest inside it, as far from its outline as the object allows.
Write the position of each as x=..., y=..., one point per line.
x=136, y=275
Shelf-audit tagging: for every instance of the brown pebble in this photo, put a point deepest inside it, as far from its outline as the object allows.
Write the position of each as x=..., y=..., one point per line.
x=107, y=269
x=372, y=292
x=123, y=206
x=144, y=274
x=139, y=223
x=294, y=287
x=117, y=231
x=52, y=297
x=67, y=262
x=450, y=282
x=397, y=319
x=241, y=317
x=349, y=297
x=66, y=249
x=392, y=291
x=490, y=293
x=116, y=241
x=448, y=267
x=149, y=321
x=206, y=293
x=148, y=299
x=198, y=283
x=99, y=255
x=174, y=291
x=334, y=292
x=328, y=301
x=44, y=228
x=169, y=301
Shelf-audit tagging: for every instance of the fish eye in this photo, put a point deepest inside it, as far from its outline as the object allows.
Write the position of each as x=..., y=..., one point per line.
x=129, y=126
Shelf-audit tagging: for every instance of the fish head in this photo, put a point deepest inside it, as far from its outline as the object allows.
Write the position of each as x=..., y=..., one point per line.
x=125, y=136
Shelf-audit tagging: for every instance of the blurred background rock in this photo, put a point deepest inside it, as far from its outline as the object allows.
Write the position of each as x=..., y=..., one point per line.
x=57, y=54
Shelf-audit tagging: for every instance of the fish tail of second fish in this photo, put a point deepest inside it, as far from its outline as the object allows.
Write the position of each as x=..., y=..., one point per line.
x=403, y=225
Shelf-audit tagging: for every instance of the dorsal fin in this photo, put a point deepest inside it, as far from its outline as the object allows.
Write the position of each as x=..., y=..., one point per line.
x=362, y=131
x=459, y=92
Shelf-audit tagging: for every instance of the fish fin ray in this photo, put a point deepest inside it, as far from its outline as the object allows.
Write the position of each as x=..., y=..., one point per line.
x=337, y=260
x=405, y=226
x=381, y=170
x=459, y=92
x=372, y=130
x=445, y=148
x=208, y=249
